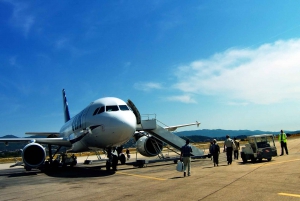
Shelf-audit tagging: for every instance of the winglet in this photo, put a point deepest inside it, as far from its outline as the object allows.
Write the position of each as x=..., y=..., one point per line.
x=66, y=108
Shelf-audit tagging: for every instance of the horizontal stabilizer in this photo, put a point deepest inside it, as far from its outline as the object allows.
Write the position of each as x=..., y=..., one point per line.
x=173, y=128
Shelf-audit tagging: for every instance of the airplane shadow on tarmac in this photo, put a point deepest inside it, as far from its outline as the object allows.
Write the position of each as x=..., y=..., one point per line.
x=78, y=172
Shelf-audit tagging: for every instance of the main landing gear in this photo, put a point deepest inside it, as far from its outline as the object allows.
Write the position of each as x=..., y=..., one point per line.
x=62, y=160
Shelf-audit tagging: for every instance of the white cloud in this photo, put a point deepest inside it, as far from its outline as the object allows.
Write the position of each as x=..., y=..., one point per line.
x=267, y=74
x=21, y=17
x=183, y=98
x=147, y=86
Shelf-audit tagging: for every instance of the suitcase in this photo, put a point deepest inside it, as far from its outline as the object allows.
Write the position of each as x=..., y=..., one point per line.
x=180, y=166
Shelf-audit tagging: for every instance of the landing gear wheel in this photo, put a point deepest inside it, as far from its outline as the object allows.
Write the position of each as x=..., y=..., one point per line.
x=122, y=159
x=269, y=159
x=108, y=165
x=73, y=163
x=114, y=162
x=260, y=160
x=27, y=168
x=253, y=159
x=244, y=159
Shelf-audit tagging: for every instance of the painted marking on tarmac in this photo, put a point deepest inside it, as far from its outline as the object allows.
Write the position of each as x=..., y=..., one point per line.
x=266, y=164
x=141, y=176
x=291, y=195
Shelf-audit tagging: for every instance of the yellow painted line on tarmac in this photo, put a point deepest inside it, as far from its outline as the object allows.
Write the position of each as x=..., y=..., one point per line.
x=141, y=176
x=271, y=163
x=291, y=195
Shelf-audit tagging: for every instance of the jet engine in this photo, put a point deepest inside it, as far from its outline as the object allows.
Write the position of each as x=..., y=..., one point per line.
x=33, y=155
x=149, y=146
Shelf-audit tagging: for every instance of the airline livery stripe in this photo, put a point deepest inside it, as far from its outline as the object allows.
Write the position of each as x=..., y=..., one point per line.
x=141, y=176
x=288, y=194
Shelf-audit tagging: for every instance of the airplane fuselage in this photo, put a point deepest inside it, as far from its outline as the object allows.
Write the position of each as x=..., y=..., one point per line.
x=106, y=122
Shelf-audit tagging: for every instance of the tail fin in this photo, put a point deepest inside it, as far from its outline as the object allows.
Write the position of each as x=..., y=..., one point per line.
x=66, y=108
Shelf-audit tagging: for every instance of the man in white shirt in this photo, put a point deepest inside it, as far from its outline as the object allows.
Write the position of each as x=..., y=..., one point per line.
x=229, y=146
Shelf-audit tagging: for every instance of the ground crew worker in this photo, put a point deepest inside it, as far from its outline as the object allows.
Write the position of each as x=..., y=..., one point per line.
x=229, y=146
x=237, y=148
x=186, y=151
x=283, y=142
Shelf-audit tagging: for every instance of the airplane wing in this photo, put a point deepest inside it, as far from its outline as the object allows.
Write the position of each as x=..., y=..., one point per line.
x=52, y=141
x=43, y=133
x=173, y=128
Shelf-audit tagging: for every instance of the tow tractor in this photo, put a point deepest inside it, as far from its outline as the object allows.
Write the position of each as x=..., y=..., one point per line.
x=259, y=147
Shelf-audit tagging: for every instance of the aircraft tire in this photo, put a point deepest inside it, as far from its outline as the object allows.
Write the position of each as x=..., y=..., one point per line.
x=108, y=165
x=253, y=159
x=115, y=162
x=122, y=159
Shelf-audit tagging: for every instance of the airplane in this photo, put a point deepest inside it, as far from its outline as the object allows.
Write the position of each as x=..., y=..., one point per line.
x=106, y=124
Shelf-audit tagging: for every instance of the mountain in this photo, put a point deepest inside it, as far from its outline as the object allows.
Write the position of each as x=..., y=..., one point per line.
x=9, y=136
x=217, y=133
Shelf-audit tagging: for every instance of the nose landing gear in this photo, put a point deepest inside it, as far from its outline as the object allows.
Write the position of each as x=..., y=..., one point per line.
x=112, y=160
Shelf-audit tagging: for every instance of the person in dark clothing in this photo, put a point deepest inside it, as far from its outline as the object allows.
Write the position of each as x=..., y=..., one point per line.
x=185, y=156
x=215, y=151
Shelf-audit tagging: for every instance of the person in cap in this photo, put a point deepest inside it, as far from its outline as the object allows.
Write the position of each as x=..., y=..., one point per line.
x=215, y=151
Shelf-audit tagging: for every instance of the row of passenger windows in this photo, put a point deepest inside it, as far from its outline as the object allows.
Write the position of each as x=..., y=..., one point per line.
x=110, y=108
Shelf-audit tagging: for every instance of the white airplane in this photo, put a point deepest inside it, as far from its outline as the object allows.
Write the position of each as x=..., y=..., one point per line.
x=106, y=124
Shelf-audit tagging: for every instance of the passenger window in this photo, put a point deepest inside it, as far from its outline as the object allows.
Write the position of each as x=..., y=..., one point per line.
x=112, y=108
x=101, y=110
x=123, y=107
x=96, y=111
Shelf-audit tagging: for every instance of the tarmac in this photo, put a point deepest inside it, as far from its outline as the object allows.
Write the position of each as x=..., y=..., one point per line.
x=274, y=180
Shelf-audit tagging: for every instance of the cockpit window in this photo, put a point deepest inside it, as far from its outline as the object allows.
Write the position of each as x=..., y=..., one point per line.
x=96, y=111
x=123, y=107
x=112, y=108
x=101, y=110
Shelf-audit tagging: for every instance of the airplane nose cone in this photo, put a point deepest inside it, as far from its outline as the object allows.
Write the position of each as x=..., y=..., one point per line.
x=126, y=127
x=129, y=125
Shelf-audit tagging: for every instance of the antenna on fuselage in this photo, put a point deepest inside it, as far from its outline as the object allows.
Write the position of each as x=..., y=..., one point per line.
x=65, y=106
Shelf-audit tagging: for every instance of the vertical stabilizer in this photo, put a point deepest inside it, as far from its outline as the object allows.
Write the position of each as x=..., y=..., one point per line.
x=66, y=108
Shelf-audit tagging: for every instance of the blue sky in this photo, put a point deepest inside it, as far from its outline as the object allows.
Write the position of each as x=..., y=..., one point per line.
x=228, y=64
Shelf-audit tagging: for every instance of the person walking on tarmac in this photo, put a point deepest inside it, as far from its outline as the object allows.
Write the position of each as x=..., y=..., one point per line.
x=186, y=151
x=282, y=139
x=215, y=151
x=237, y=148
x=229, y=146
x=210, y=149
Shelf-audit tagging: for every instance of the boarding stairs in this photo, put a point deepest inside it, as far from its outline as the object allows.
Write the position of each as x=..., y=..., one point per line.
x=150, y=126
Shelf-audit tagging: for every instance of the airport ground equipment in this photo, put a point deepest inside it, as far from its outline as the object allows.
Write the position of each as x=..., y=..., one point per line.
x=259, y=147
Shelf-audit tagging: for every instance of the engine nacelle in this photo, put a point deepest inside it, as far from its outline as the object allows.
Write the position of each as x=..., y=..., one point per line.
x=33, y=155
x=149, y=146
